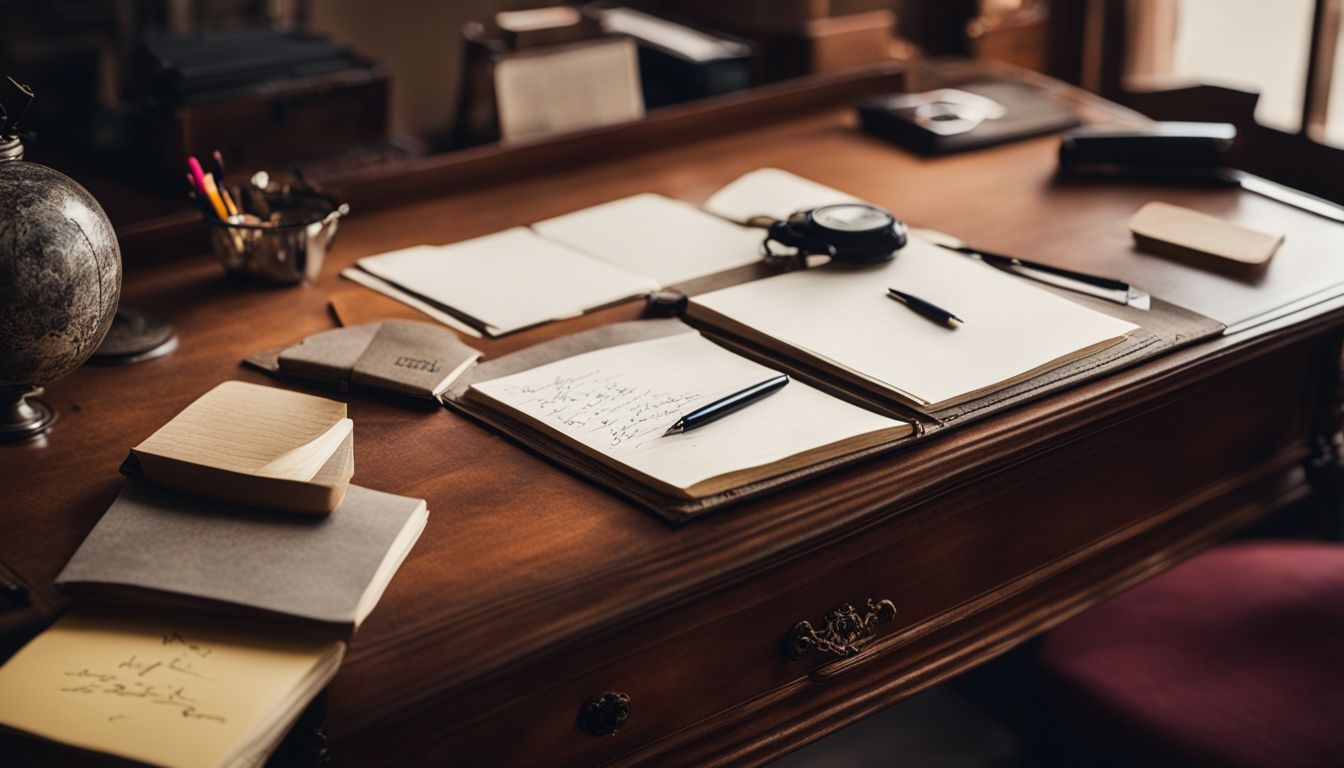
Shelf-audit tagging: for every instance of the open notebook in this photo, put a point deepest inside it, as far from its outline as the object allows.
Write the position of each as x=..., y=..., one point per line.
x=839, y=318
x=580, y=261
x=163, y=688
x=613, y=405
x=500, y=283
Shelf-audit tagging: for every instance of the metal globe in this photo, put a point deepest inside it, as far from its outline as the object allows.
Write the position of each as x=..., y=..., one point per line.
x=60, y=280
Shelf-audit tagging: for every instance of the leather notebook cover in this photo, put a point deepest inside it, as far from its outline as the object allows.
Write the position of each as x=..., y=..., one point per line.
x=675, y=510
x=405, y=357
x=1162, y=328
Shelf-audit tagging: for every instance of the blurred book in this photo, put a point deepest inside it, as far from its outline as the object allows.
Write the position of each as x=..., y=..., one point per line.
x=258, y=95
x=679, y=62
x=545, y=91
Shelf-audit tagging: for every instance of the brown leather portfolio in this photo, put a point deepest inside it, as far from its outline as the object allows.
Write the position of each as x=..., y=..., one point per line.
x=1162, y=328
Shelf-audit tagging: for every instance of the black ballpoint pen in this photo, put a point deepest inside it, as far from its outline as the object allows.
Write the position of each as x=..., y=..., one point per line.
x=726, y=405
x=924, y=308
x=1007, y=262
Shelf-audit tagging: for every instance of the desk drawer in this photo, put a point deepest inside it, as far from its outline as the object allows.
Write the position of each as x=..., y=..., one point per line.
x=1056, y=530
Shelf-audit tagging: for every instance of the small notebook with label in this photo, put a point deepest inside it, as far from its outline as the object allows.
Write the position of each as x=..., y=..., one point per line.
x=405, y=357
x=162, y=688
x=249, y=444
x=614, y=404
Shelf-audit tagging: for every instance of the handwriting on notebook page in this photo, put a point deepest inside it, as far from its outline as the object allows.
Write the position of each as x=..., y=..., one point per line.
x=604, y=407
x=167, y=676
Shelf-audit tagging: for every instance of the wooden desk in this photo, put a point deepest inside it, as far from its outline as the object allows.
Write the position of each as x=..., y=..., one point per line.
x=532, y=591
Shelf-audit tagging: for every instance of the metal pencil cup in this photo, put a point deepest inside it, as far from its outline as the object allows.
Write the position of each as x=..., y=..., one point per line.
x=287, y=251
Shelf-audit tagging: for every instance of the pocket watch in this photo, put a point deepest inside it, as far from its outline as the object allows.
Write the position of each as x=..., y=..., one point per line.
x=850, y=232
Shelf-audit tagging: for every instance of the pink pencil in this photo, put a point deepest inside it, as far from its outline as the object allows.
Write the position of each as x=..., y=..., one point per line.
x=197, y=175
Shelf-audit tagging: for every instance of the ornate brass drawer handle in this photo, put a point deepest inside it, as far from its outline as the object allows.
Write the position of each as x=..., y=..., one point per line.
x=845, y=632
x=603, y=715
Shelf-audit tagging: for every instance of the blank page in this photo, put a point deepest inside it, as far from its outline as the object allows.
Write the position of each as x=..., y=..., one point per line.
x=771, y=192
x=619, y=401
x=843, y=316
x=652, y=235
x=509, y=280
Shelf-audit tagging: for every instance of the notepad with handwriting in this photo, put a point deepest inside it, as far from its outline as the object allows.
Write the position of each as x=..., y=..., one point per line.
x=506, y=281
x=652, y=235
x=614, y=404
x=164, y=688
x=840, y=319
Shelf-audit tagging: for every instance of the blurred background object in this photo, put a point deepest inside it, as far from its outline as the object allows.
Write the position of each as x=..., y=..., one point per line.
x=348, y=87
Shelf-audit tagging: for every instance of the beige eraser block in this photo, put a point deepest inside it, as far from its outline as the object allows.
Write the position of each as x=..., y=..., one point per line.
x=1170, y=230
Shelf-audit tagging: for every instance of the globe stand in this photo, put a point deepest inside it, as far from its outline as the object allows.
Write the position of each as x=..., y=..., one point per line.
x=135, y=336
x=22, y=415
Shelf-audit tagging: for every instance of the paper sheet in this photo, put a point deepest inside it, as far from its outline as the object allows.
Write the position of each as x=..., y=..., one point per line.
x=568, y=88
x=619, y=401
x=842, y=315
x=508, y=280
x=649, y=234
x=159, y=688
x=773, y=193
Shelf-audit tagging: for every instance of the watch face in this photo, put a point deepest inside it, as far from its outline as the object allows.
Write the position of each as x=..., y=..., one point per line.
x=852, y=217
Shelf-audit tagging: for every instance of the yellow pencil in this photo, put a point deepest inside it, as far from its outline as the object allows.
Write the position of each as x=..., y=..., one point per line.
x=228, y=202
x=212, y=192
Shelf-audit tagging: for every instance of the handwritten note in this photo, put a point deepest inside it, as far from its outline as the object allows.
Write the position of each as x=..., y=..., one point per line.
x=169, y=690
x=598, y=403
x=616, y=403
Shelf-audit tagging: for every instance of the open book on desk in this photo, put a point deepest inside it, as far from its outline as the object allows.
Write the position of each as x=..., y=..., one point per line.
x=840, y=320
x=580, y=261
x=613, y=405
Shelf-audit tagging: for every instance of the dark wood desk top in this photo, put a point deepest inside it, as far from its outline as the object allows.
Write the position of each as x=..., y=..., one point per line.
x=521, y=560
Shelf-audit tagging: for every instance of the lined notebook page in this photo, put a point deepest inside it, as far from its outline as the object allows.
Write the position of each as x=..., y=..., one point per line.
x=842, y=315
x=620, y=400
x=771, y=192
x=509, y=280
x=255, y=430
x=164, y=689
x=652, y=235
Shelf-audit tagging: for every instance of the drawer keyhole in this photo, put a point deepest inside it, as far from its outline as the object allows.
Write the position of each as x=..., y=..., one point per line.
x=603, y=715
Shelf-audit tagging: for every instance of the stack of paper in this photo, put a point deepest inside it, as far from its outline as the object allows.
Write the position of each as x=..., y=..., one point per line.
x=256, y=445
x=237, y=616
